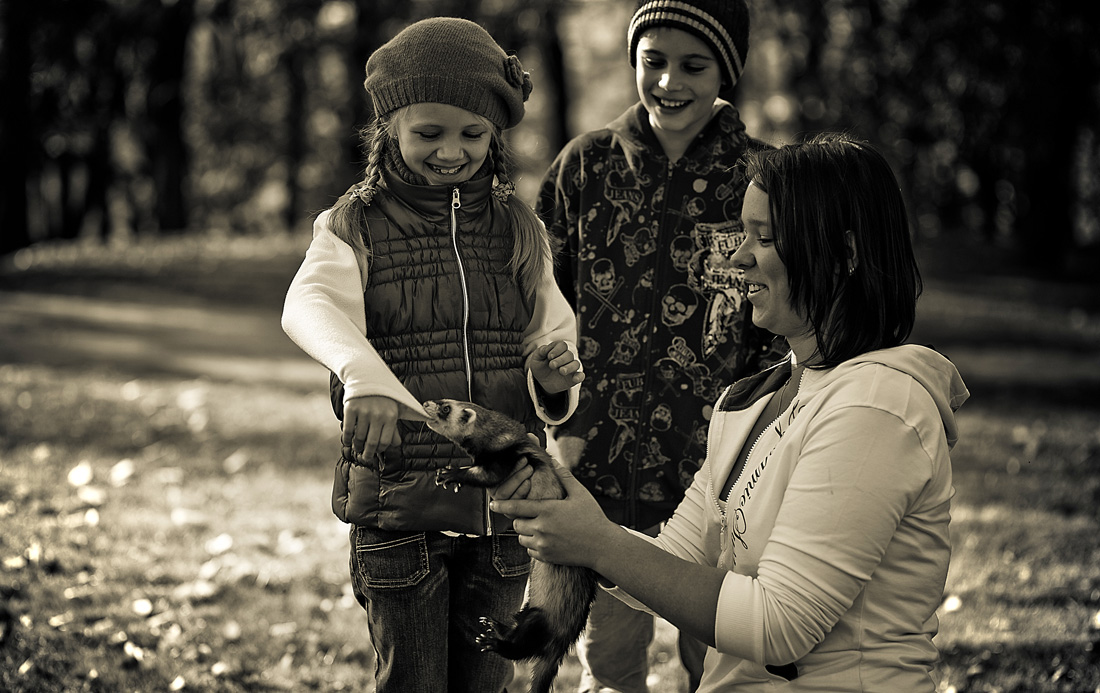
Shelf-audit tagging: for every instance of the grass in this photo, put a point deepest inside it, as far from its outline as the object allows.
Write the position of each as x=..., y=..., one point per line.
x=165, y=469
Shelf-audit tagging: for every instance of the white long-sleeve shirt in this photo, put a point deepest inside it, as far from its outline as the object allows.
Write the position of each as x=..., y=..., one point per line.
x=324, y=314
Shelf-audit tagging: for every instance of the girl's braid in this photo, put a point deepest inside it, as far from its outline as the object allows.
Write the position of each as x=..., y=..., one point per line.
x=373, y=172
x=504, y=187
x=375, y=137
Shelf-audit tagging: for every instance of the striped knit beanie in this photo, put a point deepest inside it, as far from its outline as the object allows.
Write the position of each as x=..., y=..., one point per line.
x=451, y=61
x=721, y=24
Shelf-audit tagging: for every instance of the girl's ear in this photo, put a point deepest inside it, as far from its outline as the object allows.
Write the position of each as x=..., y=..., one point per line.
x=853, y=256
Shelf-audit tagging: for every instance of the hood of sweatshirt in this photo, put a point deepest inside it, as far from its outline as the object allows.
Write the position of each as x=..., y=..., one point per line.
x=638, y=141
x=932, y=370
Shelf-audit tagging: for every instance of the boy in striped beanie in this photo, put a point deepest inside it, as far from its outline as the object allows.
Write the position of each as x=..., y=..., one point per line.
x=648, y=210
x=722, y=25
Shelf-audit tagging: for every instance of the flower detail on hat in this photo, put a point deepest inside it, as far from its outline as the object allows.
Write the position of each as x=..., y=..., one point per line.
x=364, y=193
x=503, y=190
x=516, y=76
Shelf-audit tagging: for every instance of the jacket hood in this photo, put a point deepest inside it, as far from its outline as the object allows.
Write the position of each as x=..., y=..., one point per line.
x=928, y=367
x=636, y=135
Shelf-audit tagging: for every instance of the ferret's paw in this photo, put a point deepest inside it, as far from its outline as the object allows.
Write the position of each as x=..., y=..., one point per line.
x=490, y=638
x=445, y=477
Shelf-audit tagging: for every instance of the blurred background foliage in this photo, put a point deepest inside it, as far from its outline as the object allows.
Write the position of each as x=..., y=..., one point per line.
x=126, y=118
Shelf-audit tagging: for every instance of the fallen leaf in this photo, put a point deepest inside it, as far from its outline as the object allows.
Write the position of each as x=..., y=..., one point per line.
x=61, y=619
x=235, y=462
x=952, y=603
x=121, y=472
x=279, y=630
x=15, y=563
x=231, y=630
x=142, y=607
x=81, y=474
x=184, y=516
x=219, y=544
x=133, y=651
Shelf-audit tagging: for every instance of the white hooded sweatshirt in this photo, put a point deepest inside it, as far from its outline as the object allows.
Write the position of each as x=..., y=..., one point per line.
x=835, y=534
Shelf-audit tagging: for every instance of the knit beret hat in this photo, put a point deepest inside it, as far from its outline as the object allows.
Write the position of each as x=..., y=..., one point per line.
x=451, y=61
x=721, y=24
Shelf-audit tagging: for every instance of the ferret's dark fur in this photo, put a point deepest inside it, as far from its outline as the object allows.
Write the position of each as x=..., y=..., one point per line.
x=558, y=597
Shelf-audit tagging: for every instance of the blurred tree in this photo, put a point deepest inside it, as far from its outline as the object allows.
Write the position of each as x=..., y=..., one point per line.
x=983, y=106
x=376, y=21
x=299, y=38
x=168, y=29
x=530, y=29
x=16, y=149
x=241, y=115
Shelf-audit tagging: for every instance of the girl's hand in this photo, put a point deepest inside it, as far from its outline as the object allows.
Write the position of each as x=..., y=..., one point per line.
x=555, y=367
x=370, y=425
x=567, y=532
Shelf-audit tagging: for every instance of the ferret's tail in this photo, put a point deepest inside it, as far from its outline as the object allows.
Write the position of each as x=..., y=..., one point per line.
x=532, y=639
x=544, y=669
x=546, y=629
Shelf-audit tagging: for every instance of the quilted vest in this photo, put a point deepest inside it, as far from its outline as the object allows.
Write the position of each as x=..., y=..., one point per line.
x=448, y=318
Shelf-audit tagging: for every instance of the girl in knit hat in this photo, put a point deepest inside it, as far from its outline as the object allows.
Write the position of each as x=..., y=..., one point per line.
x=649, y=211
x=428, y=279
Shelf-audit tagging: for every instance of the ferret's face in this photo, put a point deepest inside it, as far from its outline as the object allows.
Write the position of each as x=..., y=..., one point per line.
x=450, y=418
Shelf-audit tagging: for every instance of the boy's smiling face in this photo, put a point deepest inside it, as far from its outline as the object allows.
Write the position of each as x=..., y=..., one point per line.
x=678, y=80
x=444, y=143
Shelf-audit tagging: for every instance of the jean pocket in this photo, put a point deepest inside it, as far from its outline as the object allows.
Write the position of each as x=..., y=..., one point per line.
x=509, y=558
x=389, y=560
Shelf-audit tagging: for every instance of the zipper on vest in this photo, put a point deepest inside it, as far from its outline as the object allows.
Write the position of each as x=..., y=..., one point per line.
x=456, y=204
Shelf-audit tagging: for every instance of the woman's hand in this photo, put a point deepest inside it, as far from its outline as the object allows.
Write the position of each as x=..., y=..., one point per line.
x=370, y=425
x=555, y=367
x=570, y=531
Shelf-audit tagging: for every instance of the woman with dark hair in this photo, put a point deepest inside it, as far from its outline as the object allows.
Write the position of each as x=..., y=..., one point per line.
x=812, y=548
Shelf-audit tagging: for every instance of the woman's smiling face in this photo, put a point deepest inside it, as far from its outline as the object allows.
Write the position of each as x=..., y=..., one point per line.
x=445, y=144
x=765, y=274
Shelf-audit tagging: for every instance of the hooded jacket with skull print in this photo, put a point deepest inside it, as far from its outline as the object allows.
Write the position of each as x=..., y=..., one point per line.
x=662, y=317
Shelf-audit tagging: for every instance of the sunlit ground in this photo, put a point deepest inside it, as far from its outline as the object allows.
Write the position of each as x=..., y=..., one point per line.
x=165, y=471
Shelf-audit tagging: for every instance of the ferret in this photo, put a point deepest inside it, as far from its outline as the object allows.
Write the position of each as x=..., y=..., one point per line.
x=559, y=597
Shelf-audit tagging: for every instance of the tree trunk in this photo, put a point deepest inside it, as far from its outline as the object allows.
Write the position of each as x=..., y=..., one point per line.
x=15, y=125
x=166, y=147
x=296, y=131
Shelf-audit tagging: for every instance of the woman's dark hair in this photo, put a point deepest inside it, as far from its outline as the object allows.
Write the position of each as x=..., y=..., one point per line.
x=817, y=191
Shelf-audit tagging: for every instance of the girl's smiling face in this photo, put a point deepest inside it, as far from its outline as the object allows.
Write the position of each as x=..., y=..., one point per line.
x=765, y=274
x=445, y=144
x=678, y=80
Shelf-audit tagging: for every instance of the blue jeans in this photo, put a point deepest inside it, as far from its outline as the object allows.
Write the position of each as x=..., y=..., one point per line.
x=424, y=593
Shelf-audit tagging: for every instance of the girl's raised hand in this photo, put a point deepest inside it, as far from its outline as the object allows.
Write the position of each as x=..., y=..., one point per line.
x=370, y=425
x=555, y=367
